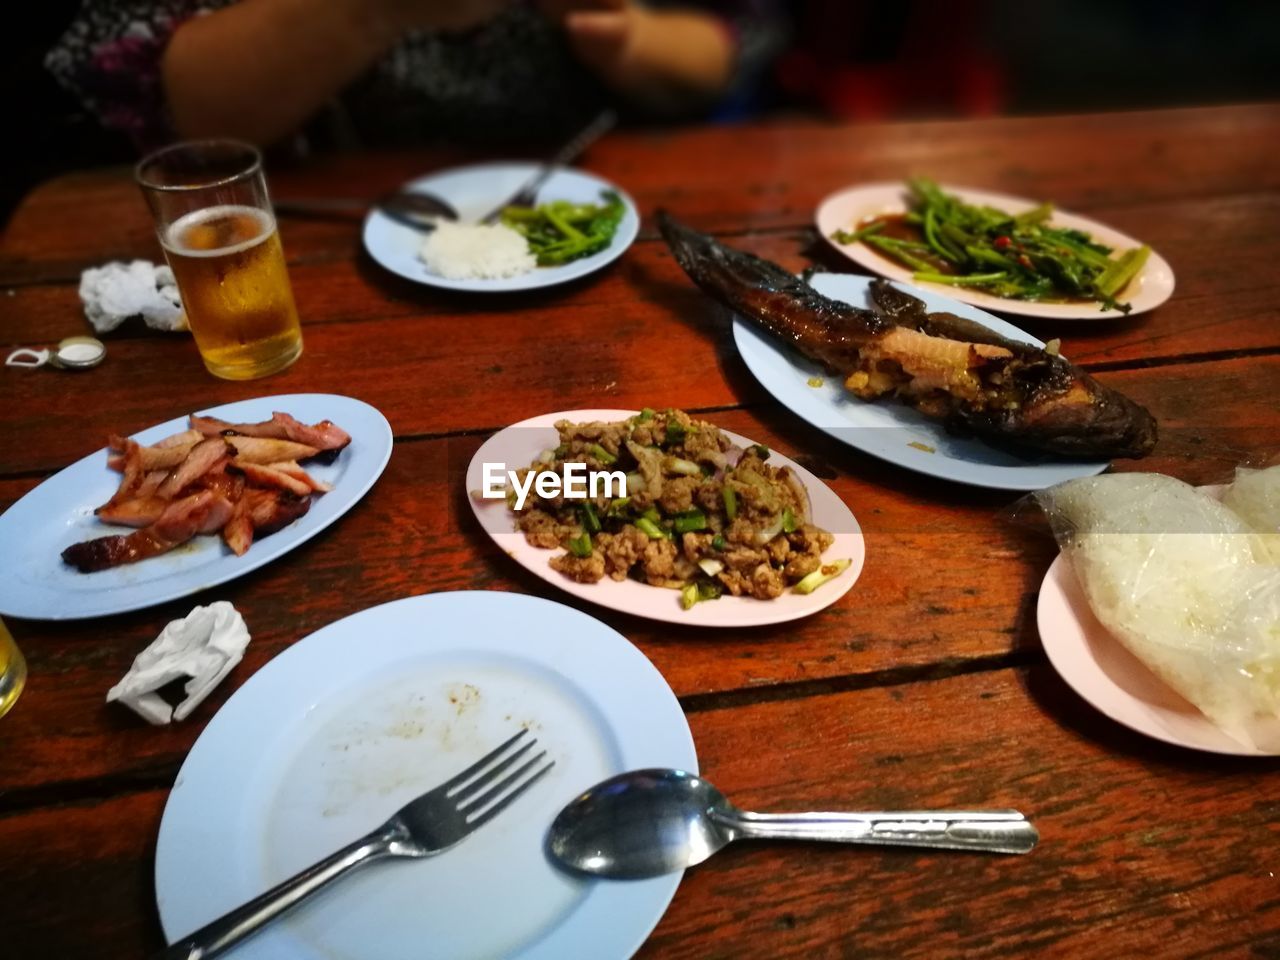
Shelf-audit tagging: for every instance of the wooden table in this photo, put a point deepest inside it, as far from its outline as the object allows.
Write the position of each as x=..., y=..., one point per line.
x=925, y=686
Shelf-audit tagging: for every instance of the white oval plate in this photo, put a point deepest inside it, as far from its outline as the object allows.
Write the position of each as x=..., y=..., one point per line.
x=36, y=584
x=520, y=444
x=887, y=429
x=474, y=191
x=840, y=211
x=337, y=732
x=1098, y=667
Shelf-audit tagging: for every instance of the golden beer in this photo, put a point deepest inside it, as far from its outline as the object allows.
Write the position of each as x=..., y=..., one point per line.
x=231, y=273
x=13, y=670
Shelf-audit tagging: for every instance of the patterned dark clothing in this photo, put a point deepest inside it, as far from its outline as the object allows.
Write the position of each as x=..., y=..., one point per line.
x=512, y=78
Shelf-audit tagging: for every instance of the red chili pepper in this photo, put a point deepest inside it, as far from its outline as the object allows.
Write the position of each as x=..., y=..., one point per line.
x=1002, y=243
x=1026, y=262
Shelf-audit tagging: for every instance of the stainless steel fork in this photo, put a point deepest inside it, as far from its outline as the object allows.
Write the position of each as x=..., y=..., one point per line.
x=431, y=824
x=527, y=195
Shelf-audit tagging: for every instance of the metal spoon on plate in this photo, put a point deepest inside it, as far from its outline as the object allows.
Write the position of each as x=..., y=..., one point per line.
x=649, y=822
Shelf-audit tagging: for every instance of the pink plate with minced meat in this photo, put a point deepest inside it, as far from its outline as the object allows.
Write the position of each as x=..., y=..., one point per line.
x=520, y=444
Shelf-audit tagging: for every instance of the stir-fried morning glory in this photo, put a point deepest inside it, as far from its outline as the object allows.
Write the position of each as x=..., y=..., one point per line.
x=1023, y=256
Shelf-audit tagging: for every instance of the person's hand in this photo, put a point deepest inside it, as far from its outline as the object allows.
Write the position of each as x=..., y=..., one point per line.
x=443, y=15
x=602, y=33
x=668, y=58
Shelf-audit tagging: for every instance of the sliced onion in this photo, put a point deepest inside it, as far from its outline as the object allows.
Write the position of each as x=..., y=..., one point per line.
x=802, y=496
x=635, y=484
x=769, y=532
x=710, y=566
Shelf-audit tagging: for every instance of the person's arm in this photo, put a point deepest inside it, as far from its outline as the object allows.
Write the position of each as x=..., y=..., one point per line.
x=259, y=69
x=665, y=59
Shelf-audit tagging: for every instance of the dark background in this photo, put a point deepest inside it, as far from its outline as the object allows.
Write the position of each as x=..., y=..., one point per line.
x=847, y=60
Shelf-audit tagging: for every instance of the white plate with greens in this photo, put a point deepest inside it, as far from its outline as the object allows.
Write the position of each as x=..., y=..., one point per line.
x=849, y=209
x=476, y=190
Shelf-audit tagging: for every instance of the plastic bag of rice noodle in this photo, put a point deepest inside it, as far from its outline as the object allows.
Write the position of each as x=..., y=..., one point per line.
x=1255, y=498
x=1186, y=583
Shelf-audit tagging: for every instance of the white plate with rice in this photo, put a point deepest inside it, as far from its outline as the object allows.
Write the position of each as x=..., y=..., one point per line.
x=474, y=191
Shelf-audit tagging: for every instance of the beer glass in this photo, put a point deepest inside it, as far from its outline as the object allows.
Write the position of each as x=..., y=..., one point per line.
x=215, y=222
x=13, y=670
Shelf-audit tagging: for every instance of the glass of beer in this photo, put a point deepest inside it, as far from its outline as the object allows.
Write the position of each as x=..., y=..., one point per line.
x=13, y=670
x=215, y=222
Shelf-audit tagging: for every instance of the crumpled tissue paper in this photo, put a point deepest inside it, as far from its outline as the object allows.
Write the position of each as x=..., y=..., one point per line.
x=204, y=645
x=116, y=291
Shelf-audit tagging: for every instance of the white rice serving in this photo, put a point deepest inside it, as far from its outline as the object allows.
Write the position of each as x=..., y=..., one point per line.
x=473, y=251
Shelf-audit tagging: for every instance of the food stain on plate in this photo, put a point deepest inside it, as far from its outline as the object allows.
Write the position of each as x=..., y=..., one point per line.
x=367, y=756
x=395, y=736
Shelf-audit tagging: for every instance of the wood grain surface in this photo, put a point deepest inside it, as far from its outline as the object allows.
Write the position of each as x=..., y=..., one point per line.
x=924, y=686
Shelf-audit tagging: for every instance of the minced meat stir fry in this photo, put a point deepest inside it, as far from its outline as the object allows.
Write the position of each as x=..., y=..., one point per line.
x=697, y=514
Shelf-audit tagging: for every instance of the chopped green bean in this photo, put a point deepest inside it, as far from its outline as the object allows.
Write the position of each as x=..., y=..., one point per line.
x=590, y=519
x=689, y=521
x=730, y=502
x=651, y=529
x=601, y=454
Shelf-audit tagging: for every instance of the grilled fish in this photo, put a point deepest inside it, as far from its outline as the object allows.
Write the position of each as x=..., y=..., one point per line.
x=949, y=368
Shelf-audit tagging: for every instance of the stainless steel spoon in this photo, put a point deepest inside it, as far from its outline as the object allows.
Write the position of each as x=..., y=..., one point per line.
x=648, y=822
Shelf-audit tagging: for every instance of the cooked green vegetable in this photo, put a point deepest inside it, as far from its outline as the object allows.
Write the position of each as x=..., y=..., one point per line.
x=590, y=519
x=561, y=231
x=730, y=502
x=689, y=521
x=651, y=529
x=602, y=455
x=788, y=520
x=1023, y=257
x=580, y=546
x=828, y=571
x=695, y=591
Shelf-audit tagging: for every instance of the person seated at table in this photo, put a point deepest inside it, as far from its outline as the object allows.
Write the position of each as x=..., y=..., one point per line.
x=402, y=71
